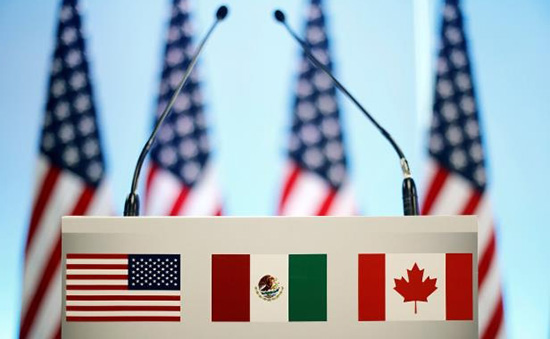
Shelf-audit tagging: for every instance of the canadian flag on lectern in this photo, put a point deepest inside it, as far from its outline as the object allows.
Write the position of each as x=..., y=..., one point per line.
x=418, y=286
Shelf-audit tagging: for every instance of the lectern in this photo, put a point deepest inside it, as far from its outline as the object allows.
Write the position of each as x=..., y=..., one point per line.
x=269, y=277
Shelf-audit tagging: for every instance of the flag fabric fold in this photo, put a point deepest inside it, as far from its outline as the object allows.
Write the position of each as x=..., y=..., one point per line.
x=70, y=176
x=456, y=169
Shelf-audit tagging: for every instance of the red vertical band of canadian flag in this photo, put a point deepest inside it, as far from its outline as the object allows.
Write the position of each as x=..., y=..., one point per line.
x=455, y=283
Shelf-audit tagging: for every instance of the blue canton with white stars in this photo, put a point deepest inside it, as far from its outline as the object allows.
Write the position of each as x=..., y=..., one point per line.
x=455, y=139
x=70, y=138
x=154, y=272
x=182, y=146
x=316, y=138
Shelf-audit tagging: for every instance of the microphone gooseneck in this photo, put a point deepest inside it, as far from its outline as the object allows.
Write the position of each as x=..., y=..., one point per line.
x=131, y=206
x=410, y=197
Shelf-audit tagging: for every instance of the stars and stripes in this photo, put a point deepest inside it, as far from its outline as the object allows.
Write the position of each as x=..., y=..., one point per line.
x=123, y=287
x=70, y=176
x=181, y=179
x=457, y=175
x=316, y=181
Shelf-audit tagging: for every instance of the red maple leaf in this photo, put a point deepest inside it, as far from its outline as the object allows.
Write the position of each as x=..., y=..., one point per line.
x=415, y=289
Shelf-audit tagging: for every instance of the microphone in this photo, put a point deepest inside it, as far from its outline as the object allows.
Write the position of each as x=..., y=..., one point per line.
x=410, y=197
x=131, y=206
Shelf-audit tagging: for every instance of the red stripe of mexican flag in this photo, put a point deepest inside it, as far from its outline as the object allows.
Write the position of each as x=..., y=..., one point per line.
x=269, y=287
x=415, y=286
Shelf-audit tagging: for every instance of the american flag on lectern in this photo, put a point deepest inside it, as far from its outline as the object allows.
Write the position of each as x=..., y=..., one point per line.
x=70, y=176
x=181, y=179
x=316, y=180
x=457, y=182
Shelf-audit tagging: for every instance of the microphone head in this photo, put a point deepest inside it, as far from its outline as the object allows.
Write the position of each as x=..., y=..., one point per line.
x=279, y=16
x=221, y=13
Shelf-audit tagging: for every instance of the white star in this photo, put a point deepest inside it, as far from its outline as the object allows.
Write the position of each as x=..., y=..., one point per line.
x=472, y=128
x=78, y=80
x=314, y=12
x=294, y=143
x=306, y=110
x=190, y=171
x=442, y=66
x=187, y=28
x=204, y=144
x=57, y=65
x=66, y=133
x=69, y=35
x=90, y=148
x=182, y=103
x=337, y=173
x=322, y=81
x=58, y=88
x=168, y=156
x=70, y=156
x=321, y=55
x=330, y=127
x=184, y=125
x=313, y=157
x=454, y=135
x=458, y=158
x=73, y=58
x=310, y=134
x=449, y=111
x=61, y=110
x=449, y=12
x=453, y=34
x=188, y=148
x=436, y=143
x=458, y=58
x=86, y=125
x=326, y=104
x=197, y=97
x=334, y=151
x=304, y=88
x=95, y=170
x=48, y=141
x=173, y=34
x=82, y=103
x=463, y=82
x=174, y=78
x=315, y=35
x=479, y=175
x=467, y=104
x=174, y=56
x=445, y=88
x=476, y=152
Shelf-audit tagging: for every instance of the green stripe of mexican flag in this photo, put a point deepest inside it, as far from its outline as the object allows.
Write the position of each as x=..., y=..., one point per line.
x=269, y=288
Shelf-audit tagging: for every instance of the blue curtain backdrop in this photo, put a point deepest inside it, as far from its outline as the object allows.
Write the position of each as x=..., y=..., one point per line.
x=248, y=70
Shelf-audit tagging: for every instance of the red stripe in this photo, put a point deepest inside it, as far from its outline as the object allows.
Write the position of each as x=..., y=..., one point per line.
x=97, y=287
x=48, y=185
x=129, y=318
x=150, y=176
x=487, y=257
x=96, y=256
x=372, y=287
x=459, y=295
x=472, y=203
x=219, y=211
x=496, y=321
x=178, y=204
x=51, y=267
x=434, y=189
x=290, y=181
x=327, y=203
x=97, y=266
x=97, y=276
x=124, y=297
x=45, y=281
x=123, y=308
x=230, y=287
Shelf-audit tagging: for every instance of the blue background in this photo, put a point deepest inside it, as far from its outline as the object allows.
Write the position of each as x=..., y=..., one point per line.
x=384, y=52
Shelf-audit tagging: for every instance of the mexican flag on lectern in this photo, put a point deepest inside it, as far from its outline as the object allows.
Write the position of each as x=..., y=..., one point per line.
x=269, y=288
x=415, y=286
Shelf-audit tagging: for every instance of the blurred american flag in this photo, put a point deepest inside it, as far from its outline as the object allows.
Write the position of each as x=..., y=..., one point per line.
x=181, y=179
x=70, y=176
x=457, y=174
x=316, y=179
